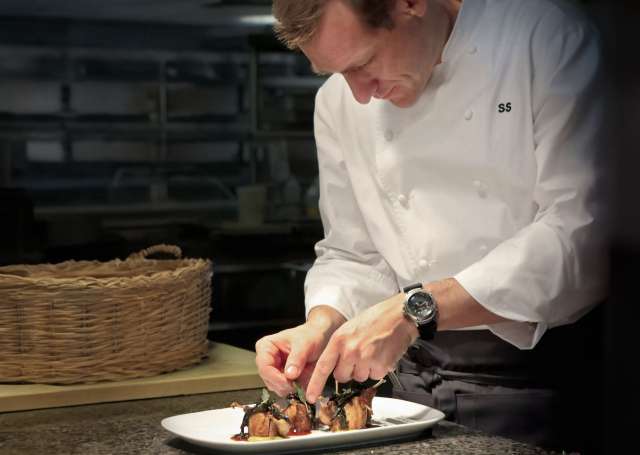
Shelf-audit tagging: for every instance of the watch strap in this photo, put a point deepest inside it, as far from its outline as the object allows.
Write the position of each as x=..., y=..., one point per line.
x=411, y=287
x=427, y=331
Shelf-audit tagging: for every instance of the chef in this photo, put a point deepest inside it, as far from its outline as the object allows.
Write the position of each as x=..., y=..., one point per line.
x=459, y=147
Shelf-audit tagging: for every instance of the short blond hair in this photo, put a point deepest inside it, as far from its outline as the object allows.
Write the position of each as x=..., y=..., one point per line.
x=297, y=20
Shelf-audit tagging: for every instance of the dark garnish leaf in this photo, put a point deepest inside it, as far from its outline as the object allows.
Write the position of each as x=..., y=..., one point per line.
x=342, y=397
x=266, y=404
x=300, y=393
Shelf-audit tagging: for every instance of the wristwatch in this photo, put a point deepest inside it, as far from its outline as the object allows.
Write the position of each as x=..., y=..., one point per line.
x=421, y=308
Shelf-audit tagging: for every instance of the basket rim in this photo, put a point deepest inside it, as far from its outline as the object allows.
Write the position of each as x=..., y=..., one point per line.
x=185, y=265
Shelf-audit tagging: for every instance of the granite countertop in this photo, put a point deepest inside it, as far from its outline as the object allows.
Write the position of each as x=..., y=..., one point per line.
x=133, y=427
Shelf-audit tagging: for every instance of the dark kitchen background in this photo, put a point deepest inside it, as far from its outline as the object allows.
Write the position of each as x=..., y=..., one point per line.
x=129, y=123
x=126, y=123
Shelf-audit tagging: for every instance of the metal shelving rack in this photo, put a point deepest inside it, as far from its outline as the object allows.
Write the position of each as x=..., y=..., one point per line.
x=239, y=70
x=159, y=127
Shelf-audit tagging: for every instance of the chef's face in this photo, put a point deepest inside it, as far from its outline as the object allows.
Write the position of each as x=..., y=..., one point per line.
x=391, y=64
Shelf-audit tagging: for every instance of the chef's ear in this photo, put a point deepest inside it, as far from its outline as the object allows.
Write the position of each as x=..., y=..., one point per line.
x=414, y=8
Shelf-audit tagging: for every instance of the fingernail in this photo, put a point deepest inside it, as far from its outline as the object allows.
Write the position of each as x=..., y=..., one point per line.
x=292, y=370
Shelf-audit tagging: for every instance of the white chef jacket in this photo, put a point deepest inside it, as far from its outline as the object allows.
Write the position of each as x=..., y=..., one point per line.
x=493, y=176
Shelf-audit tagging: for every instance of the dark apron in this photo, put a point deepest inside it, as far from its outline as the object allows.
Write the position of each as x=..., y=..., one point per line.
x=550, y=396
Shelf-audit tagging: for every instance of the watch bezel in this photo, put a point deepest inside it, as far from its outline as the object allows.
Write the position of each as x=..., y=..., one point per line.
x=418, y=314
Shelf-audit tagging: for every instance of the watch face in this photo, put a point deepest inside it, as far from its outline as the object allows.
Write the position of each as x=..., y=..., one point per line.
x=421, y=306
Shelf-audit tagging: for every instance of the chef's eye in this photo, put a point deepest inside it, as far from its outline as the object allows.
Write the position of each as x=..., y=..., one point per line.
x=359, y=67
x=365, y=64
x=352, y=70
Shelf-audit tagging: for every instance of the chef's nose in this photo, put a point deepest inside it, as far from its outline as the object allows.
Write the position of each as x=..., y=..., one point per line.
x=362, y=86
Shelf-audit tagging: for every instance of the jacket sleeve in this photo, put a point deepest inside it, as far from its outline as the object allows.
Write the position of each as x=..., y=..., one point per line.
x=349, y=274
x=554, y=270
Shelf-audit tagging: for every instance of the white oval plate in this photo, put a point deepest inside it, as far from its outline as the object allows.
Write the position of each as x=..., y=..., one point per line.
x=396, y=419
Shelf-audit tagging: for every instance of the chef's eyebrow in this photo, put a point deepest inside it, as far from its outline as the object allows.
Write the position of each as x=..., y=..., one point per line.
x=352, y=67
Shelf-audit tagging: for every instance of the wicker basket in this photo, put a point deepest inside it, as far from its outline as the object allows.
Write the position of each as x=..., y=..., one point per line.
x=85, y=322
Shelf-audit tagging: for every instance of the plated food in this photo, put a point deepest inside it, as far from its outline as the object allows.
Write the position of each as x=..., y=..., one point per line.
x=347, y=409
x=392, y=419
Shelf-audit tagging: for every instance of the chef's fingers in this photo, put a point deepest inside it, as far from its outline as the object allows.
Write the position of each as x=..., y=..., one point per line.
x=268, y=352
x=297, y=359
x=269, y=360
x=343, y=372
x=270, y=386
x=275, y=378
x=277, y=388
x=378, y=372
x=268, y=355
x=361, y=372
x=324, y=366
x=305, y=376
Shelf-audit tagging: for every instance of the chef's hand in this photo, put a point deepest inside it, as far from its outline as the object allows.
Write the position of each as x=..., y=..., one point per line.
x=290, y=355
x=367, y=346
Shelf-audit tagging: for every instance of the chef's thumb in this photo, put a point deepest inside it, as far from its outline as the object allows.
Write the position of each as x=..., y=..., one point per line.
x=296, y=361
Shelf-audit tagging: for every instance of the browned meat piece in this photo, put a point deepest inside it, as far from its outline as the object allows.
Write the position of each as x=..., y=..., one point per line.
x=298, y=415
x=354, y=415
x=367, y=396
x=260, y=425
x=264, y=424
x=326, y=410
x=357, y=412
x=283, y=426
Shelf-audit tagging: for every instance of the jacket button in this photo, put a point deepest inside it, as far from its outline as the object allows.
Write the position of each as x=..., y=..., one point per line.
x=388, y=135
x=402, y=199
x=423, y=263
x=481, y=188
x=468, y=115
x=473, y=50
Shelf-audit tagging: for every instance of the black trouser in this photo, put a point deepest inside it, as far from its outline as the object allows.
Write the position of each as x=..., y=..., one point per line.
x=550, y=396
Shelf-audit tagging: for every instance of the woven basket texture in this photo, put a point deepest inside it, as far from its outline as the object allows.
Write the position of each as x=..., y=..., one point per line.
x=84, y=322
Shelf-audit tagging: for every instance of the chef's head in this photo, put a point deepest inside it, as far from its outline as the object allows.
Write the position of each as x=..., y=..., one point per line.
x=385, y=49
